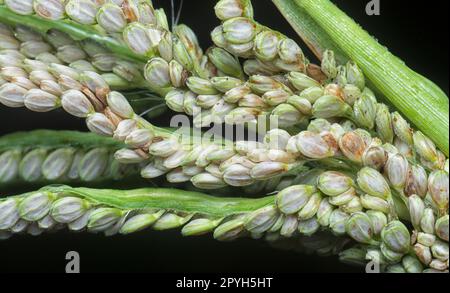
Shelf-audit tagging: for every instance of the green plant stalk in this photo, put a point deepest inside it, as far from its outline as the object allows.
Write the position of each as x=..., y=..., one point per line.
x=57, y=139
x=165, y=198
x=172, y=199
x=414, y=95
x=76, y=31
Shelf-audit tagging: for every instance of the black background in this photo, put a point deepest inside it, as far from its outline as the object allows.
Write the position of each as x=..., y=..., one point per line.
x=417, y=33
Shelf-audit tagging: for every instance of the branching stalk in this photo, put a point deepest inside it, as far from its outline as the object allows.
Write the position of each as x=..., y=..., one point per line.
x=415, y=96
x=76, y=31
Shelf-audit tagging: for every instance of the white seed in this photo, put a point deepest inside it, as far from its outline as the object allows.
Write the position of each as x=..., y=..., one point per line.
x=51, y=87
x=214, y=170
x=292, y=199
x=290, y=51
x=313, y=145
x=343, y=198
x=171, y=221
x=77, y=104
x=178, y=176
x=125, y=128
x=334, y=183
x=9, y=165
x=262, y=219
x=140, y=222
x=139, y=138
x=192, y=170
x=175, y=100
x=416, y=210
x=68, y=209
x=244, y=147
x=396, y=169
x=32, y=49
x=375, y=203
x=35, y=206
x=102, y=219
x=9, y=214
x=46, y=223
x=138, y=39
x=237, y=175
x=428, y=221
x=57, y=163
x=267, y=170
x=151, y=171
x=337, y=221
x=9, y=43
x=22, y=7
x=175, y=160
x=258, y=155
x=111, y=18
x=202, y=159
x=12, y=95
x=239, y=30
x=289, y=227
x=50, y=9
x=100, y=124
x=426, y=239
x=128, y=156
x=82, y=222
x=40, y=101
x=226, y=9
x=73, y=172
x=38, y=76
x=20, y=226
x=277, y=139
x=220, y=155
x=440, y=250
x=207, y=181
x=311, y=207
x=94, y=164
x=423, y=253
x=120, y=105
x=372, y=182
x=30, y=166
x=164, y=148
x=82, y=11
x=308, y=227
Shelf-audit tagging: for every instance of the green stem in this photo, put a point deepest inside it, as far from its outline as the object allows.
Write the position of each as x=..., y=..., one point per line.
x=56, y=139
x=76, y=31
x=167, y=199
x=416, y=97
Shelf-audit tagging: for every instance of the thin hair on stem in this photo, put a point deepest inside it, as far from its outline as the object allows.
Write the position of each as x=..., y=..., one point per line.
x=179, y=12
x=172, y=8
x=152, y=109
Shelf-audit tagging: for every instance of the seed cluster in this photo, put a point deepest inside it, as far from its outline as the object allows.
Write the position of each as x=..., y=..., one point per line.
x=108, y=113
x=297, y=210
x=36, y=70
x=240, y=35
